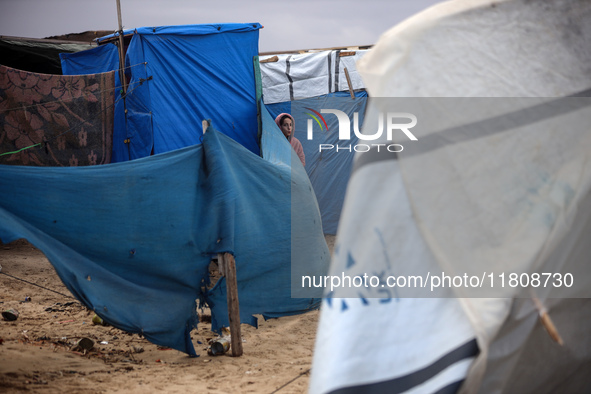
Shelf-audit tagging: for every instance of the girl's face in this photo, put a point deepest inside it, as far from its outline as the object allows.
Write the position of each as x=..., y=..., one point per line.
x=287, y=127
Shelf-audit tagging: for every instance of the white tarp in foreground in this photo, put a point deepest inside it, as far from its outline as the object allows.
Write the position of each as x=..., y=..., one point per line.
x=466, y=198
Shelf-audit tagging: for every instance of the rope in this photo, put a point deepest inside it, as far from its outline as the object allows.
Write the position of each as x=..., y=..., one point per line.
x=35, y=284
x=22, y=149
x=291, y=381
x=46, y=141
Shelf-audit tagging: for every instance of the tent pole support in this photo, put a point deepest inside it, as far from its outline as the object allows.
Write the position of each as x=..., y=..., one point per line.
x=228, y=269
x=121, y=53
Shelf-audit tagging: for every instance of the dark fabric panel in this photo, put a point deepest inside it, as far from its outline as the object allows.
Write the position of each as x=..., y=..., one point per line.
x=55, y=120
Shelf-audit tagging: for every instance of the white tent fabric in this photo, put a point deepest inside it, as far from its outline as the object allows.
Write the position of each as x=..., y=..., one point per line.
x=517, y=200
x=297, y=76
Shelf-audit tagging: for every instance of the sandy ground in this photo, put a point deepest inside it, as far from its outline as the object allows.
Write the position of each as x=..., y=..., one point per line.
x=38, y=351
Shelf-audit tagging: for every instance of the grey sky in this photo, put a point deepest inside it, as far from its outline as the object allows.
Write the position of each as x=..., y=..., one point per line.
x=295, y=24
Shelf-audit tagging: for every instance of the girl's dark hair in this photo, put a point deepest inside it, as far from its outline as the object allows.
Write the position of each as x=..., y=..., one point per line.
x=283, y=118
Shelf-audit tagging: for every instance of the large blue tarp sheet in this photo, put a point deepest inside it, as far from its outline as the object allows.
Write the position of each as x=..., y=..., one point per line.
x=328, y=169
x=133, y=240
x=179, y=75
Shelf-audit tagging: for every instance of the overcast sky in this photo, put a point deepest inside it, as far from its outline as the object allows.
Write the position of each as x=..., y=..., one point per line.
x=294, y=24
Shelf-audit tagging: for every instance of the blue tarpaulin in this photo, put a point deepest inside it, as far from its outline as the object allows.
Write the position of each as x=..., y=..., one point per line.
x=133, y=240
x=178, y=76
x=329, y=169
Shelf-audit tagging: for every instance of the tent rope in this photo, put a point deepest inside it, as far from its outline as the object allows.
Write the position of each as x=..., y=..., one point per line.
x=35, y=284
x=291, y=381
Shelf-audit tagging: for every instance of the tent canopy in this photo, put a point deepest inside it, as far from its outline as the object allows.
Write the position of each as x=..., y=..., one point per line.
x=178, y=76
x=133, y=240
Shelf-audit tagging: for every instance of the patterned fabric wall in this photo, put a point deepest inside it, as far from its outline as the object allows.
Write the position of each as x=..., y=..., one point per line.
x=55, y=120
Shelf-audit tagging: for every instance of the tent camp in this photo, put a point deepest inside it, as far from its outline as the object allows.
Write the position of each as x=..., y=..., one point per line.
x=133, y=240
x=300, y=83
x=175, y=75
x=497, y=183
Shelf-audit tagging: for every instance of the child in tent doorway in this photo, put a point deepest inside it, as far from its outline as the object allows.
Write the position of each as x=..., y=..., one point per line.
x=287, y=124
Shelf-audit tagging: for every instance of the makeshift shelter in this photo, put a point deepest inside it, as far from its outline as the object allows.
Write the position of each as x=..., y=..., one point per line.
x=496, y=183
x=289, y=77
x=297, y=83
x=178, y=76
x=133, y=240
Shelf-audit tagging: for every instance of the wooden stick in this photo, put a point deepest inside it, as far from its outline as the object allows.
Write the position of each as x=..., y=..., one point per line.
x=551, y=328
x=270, y=60
x=547, y=322
x=349, y=83
x=233, y=305
x=121, y=50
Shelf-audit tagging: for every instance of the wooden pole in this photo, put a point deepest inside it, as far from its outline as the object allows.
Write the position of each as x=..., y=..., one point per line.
x=546, y=321
x=349, y=83
x=121, y=50
x=228, y=265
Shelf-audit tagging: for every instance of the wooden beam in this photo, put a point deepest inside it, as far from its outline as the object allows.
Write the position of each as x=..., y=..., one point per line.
x=269, y=60
x=226, y=260
x=348, y=53
x=312, y=50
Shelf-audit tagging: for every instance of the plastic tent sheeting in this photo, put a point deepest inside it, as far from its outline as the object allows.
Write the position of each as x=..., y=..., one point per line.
x=91, y=61
x=328, y=168
x=514, y=199
x=133, y=240
x=296, y=76
x=294, y=83
x=180, y=75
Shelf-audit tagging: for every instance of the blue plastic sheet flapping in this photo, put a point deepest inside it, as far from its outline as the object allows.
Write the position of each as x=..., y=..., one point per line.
x=133, y=240
x=329, y=169
x=91, y=61
x=99, y=60
x=180, y=75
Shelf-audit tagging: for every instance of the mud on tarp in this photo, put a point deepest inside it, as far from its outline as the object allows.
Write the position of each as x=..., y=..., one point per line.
x=68, y=119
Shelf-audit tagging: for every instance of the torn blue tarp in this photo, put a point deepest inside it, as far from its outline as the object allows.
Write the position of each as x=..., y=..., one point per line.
x=133, y=240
